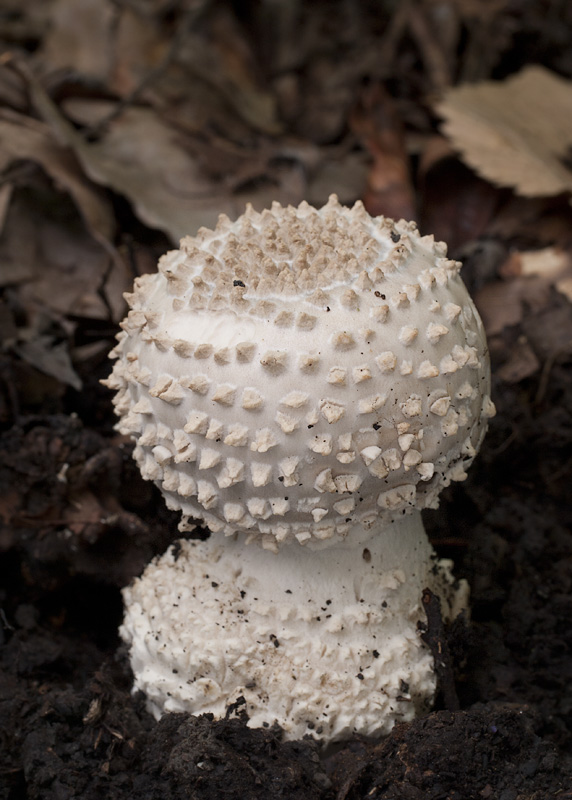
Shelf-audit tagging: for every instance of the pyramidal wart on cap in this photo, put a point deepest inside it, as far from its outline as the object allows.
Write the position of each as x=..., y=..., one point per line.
x=303, y=382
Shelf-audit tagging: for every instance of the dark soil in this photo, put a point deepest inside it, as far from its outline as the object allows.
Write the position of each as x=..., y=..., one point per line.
x=77, y=522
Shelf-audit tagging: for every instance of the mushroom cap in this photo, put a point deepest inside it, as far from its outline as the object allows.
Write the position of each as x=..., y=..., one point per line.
x=299, y=369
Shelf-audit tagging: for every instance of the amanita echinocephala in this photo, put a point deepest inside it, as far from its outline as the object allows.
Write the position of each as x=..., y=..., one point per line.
x=304, y=382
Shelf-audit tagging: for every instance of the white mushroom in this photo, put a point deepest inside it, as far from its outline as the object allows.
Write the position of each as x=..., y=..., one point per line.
x=307, y=381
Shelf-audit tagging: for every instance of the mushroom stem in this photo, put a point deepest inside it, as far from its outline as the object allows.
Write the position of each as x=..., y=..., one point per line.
x=324, y=639
x=393, y=563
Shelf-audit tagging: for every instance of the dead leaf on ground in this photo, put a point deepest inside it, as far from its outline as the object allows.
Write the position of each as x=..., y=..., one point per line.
x=551, y=264
x=5, y=197
x=377, y=124
x=66, y=44
x=23, y=138
x=536, y=221
x=12, y=89
x=515, y=133
x=18, y=245
x=57, y=264
x=145, y=160
x=192, y=69
x=455, y=204
x=40, y=339
x=520, y=364
x=51, y=357
x=550, y=331
x=152, y=164
x=525, y=299
x=142, y=158
x=503, y=304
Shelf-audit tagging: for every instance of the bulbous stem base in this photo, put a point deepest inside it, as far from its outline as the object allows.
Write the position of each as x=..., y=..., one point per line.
x=321, y=641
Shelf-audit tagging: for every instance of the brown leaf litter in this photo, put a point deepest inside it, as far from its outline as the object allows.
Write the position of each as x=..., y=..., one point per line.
x=515, y=133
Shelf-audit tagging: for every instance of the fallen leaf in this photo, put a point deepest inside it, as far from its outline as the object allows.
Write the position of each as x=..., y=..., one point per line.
x=377, y=124
x=53, y=261
x=515, y=133
x=503, y=304
x=5, y=197
x=521, y=363
x=564, y=286
x=456, y=206
x=71, y=270
x=142, y=158
x=224, y=61
x=79, y=37
x=18, y=245
x=145, y=160
x=50, y=357
x=22, y=137
x=12, y=89
x=551, y=264
x=344, y=175
x=151, y=163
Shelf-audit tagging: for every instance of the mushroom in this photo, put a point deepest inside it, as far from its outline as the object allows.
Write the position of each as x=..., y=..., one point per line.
x=304, y=382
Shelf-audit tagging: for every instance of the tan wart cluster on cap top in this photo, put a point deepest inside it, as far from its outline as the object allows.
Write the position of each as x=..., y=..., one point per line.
x=298, y=371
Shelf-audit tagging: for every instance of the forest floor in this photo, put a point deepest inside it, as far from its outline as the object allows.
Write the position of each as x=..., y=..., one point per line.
x=125, y=124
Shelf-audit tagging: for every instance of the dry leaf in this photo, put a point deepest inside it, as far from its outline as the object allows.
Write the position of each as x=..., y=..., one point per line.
x=503, y=304
x=515, y=133
x=456, y=205
x=70, y=269
x=564, y=286
x=551, y=264
x=521, y=363
x=72, y=287
x=51, y=357
x=55, y=262
x=18, y=251
x=151, y=163
x=146, y=160
x=141, y=158
x=23, y=138
x=79, y=37
x=5, y=196
x=224, y=61
x=376, y=122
